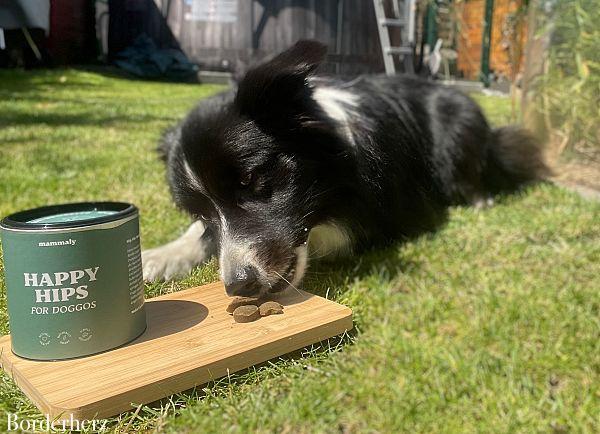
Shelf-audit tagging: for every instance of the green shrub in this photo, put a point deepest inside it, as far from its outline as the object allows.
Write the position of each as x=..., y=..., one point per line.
x=570, y=89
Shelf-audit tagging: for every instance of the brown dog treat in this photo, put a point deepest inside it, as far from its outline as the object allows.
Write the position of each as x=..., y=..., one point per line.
x=246, y=313
x=270, y=308
x=242, y=301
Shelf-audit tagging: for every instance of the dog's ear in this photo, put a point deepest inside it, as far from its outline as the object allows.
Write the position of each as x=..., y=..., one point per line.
x=279, y=87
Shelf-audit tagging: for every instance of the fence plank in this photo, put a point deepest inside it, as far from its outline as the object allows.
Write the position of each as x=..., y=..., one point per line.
x=216, y=45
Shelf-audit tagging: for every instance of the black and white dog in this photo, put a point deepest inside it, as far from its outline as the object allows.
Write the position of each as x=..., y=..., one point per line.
x=289, y=163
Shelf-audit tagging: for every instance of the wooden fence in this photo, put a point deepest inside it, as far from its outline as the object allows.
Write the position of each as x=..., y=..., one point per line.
x=252, y=29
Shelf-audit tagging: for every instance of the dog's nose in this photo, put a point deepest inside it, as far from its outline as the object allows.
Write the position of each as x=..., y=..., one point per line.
x=243, y=283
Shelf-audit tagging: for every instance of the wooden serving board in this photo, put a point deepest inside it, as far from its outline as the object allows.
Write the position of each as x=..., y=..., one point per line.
x=190, y=340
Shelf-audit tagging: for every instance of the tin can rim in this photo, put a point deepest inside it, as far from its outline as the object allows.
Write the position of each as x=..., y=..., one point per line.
x=21, y=219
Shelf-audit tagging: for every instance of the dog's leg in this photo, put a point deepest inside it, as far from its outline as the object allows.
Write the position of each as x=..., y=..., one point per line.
x=482, y=202
x=177, y=258
x=329, y=241
x=325, y=241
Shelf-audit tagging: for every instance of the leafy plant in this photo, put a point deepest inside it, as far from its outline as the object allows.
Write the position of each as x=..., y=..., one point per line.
x=570, y=89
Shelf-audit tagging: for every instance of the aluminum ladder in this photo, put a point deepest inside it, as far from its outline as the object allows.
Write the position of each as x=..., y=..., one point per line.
x=404, y=18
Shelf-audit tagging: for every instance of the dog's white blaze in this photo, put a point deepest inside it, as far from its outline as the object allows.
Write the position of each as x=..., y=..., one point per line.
x=192, y=177
x=301, y=263
x=337, y=104
x=329, y=240
x=234, y=253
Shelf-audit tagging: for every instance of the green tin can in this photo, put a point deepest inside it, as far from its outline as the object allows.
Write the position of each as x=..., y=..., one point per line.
x=73, y=279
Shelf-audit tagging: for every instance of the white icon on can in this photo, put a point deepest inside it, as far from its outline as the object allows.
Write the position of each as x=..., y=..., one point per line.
x=64, y=338
x=44, y=338
x=85, y=334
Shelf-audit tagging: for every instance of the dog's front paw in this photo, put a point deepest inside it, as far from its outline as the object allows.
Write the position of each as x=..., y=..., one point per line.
x=481, y=203
x=166, y=263
x=179, y=257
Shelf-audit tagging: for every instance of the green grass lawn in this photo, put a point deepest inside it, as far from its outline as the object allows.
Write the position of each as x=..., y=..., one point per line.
x=490, y=325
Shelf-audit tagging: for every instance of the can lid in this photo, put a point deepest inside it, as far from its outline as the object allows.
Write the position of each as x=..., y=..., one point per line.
x=82, y=214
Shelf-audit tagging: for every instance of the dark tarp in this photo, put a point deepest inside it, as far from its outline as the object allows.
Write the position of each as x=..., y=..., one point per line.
x=144, y=59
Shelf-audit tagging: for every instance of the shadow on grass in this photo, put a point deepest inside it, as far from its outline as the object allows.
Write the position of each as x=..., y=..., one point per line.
x=114, y=72
x=85, y=119
x=384, y=262
x=18, y=81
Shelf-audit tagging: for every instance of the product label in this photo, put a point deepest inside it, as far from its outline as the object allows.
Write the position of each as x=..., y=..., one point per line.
x=60, y=287
x=73, y=293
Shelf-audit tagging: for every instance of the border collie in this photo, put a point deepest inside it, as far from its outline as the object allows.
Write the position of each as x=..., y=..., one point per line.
x=291, y=164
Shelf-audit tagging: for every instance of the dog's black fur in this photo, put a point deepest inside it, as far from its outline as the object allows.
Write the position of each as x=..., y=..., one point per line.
x=271, y=163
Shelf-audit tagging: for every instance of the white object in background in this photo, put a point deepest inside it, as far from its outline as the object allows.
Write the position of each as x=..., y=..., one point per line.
x=215, y=11
x=2, y=41
x=434, y=59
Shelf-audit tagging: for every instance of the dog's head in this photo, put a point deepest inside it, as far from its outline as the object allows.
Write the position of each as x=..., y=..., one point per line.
x=259, y=167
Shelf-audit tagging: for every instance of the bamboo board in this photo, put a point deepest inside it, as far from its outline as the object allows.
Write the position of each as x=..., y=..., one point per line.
x=190, y=340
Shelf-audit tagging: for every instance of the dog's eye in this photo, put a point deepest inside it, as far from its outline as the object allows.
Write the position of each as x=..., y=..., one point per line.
x=246, y=179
